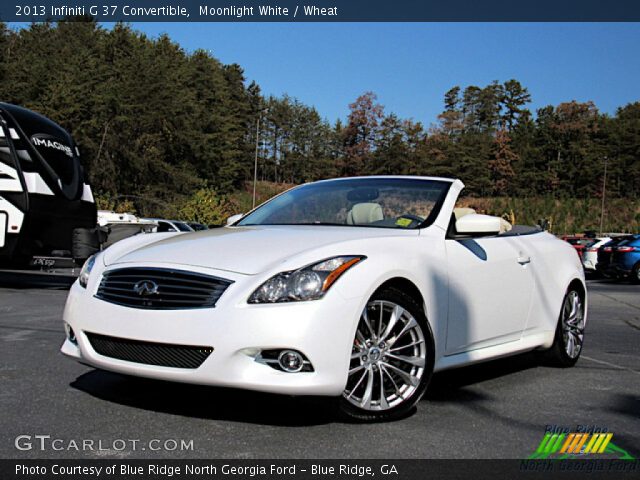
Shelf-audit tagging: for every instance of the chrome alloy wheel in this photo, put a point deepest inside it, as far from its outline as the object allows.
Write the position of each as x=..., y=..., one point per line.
x=573, y=324
x=388, y=357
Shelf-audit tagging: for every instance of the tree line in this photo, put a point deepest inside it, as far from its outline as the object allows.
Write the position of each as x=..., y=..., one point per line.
x=156, y=121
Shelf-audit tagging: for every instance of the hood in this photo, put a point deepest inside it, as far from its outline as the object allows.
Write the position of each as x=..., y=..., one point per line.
x=245, y=250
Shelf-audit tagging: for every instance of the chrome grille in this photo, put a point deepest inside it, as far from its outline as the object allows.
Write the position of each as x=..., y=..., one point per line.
x=160, y=288
x=149, y=353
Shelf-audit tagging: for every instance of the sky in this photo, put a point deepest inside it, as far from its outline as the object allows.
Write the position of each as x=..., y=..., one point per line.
x=411, y=65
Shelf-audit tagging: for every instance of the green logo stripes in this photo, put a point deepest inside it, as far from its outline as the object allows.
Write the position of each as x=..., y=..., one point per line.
x=565, y=445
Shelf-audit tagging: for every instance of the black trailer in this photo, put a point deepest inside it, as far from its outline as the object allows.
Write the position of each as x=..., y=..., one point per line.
x=45, y=199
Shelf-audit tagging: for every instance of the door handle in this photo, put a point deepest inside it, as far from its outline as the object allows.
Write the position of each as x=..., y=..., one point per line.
x=524, y=260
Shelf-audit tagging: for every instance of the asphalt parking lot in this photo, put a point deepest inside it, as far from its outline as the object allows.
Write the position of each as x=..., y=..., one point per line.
x=495, y=410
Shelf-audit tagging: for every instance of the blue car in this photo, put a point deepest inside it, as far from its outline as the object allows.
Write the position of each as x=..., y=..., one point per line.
x=625, y=258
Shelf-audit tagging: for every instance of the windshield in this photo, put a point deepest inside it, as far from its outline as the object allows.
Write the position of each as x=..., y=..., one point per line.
x=363, y=202
x=183, y=227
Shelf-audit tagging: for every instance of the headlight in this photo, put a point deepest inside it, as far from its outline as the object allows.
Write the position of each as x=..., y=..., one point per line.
x=308, y=283
x=83, y=278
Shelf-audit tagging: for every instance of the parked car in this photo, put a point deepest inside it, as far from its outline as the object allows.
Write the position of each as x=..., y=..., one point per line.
x=590, y=255
x=170, y=225
x=625, y=258
x=579, y=243
x=605, y=254
x=358, y=288
x=122, y=225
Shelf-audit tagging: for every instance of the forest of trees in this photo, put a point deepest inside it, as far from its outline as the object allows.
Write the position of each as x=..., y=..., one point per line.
x=158, y=122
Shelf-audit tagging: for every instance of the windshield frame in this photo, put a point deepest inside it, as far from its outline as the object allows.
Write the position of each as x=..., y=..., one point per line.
x=182, y=226
x=428, y=221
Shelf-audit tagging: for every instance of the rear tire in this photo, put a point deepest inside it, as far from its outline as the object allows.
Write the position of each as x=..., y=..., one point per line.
x=391, y=359
x=569, y=336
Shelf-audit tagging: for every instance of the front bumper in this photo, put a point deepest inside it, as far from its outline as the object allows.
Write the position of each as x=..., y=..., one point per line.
x=323, y=330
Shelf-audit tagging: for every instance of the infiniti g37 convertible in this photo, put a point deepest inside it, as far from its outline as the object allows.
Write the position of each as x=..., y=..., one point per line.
x=357, y=288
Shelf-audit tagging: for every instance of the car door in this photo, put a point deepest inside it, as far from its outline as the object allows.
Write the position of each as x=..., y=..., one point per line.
x=490, y=291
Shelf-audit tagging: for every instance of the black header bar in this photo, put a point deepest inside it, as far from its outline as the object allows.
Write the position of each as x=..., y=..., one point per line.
x=318, y=469
x=324, y=10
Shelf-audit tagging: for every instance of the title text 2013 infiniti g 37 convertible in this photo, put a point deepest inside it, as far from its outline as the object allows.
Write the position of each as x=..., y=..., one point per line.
x=357, y=288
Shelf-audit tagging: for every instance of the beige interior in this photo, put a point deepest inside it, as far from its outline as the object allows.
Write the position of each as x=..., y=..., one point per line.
x=504, y=225
x=460, y=212
x=363, y=213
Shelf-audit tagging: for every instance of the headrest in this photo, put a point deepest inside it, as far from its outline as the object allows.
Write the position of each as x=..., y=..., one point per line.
x=363, y=213
x=505, y=226
x=460, y=212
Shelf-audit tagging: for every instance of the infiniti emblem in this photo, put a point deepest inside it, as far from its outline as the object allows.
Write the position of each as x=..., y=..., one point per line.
x=144, y=288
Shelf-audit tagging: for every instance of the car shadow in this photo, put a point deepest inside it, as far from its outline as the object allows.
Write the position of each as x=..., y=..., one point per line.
x=450, y=385
x=627, y=405
x=227, y=404
x=206, y=402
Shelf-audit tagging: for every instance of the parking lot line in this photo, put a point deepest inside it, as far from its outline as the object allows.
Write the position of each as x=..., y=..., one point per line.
x=620, y=367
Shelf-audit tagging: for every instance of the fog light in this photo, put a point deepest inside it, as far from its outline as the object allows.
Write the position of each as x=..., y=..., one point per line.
x=290, y=361
x=71, y=335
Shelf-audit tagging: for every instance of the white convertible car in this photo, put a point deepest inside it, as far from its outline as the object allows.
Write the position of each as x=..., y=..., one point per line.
x=358, y=288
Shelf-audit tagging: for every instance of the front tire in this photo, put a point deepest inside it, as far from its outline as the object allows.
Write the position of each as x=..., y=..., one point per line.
x=391, y=359
x=569, y=337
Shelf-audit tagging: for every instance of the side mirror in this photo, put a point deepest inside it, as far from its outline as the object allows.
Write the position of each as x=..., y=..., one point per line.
x=234, y=218
x=476, y=224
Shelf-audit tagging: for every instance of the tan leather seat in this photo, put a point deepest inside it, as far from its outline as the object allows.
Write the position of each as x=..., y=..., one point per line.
x=460, y=212
x=364, y=213
x=504, y=226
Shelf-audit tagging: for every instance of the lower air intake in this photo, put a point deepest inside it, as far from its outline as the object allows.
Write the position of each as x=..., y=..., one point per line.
x=149, y=353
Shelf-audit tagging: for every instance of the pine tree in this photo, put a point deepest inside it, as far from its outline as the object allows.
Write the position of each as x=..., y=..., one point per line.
x=501, y=165
x=514, y=98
